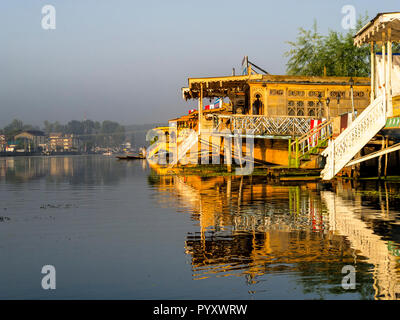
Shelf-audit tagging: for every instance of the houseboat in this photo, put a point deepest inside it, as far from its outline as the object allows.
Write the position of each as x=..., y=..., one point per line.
x=308, y=122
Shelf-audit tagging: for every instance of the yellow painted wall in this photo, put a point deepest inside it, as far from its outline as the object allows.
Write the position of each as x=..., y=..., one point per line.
x=278, y=96
x=396, y=106
x=273, y=151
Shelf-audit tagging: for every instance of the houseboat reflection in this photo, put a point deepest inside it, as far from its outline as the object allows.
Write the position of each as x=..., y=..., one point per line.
x=251, y=228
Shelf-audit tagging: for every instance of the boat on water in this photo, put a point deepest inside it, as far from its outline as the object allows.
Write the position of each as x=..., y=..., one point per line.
x=130, y=157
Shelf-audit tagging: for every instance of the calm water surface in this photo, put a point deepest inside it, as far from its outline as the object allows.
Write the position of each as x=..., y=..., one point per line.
x=119, y=230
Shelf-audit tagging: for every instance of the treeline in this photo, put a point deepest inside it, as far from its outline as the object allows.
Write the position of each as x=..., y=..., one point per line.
x=15, y=127
x=92, y=133
x=312, y=52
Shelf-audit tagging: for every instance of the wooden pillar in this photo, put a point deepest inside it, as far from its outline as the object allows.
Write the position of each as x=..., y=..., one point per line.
x=386, y=156
x=380, y=159
x=228, y=155
x=372, y=71
x=384, y=64
x=240, y=192
x=286, y=102
x=250, y=101
x=379, y=167
x=228, y=188
x=327, y=108
x=200, y=107
x=389, y=72
x=266, y=101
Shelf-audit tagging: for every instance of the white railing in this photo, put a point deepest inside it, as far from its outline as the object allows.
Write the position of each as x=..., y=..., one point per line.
x=311, y=142
x=341, y=150
x=264, y=125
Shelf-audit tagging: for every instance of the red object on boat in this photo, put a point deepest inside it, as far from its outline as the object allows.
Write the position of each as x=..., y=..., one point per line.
x=314, y=138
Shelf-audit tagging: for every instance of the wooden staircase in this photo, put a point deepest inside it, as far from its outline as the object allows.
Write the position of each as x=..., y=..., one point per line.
x=305, y=152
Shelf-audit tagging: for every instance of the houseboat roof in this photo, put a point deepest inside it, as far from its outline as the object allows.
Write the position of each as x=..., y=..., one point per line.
x=214, y=87
x=373, y=30
x=194, y=115
x=185, y=117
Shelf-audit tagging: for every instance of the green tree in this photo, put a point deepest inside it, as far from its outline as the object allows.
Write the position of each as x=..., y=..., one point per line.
x=53, y=127
x=12, y=129
x=311, y=52
x=112, y=134
x=304, y=56
x=75, y=127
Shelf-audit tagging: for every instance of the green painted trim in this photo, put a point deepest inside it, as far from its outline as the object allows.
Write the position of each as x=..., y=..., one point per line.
x=392, y=123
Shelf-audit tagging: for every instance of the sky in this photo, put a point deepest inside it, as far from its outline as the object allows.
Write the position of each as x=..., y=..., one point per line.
x=127, y=60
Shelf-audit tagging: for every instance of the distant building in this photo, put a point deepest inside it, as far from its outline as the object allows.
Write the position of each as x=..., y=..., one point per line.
x=36, y=139
x=59, y=142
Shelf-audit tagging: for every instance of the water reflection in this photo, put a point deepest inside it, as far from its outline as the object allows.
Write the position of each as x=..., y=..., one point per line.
x=71, y=169
x=251, y=228
x=247, y=234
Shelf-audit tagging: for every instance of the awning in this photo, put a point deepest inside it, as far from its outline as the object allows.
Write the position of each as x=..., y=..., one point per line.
x=373, y=30
x=216, y=87
x=222, y=86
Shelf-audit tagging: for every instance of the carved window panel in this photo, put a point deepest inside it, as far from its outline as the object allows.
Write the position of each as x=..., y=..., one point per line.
x=291, y=108
x=335, y=94
x=276, y=92
x=359, y=94
x=295, y=93
x=316, y=94
x=311, y=112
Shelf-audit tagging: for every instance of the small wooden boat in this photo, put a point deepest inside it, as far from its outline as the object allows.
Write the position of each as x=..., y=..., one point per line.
x=130, y=157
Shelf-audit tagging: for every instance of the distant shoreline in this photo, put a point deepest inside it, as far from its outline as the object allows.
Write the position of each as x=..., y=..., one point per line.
x=31, y=154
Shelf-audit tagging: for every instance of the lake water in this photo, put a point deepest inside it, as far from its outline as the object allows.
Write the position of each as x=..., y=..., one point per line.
x=118, y=230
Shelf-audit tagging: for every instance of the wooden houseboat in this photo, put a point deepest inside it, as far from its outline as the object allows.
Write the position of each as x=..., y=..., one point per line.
x=297, y=121
x=272, y=109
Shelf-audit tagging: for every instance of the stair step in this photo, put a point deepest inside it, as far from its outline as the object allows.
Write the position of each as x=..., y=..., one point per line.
x=354, y=138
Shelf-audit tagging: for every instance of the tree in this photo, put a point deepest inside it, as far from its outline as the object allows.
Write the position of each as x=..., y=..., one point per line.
x=75, y=127
x=304, y=57
x=113, y=134
x=336, y=52
x=12, y=129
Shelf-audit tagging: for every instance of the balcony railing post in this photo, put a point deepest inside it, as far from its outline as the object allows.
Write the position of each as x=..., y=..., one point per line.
x=297, y=153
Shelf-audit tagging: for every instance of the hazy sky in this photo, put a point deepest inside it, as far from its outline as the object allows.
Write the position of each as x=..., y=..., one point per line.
x=127, y=60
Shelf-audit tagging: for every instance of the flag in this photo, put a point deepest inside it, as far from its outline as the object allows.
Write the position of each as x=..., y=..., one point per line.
x=244, y=65
x=218, y=103
x=313, y=140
